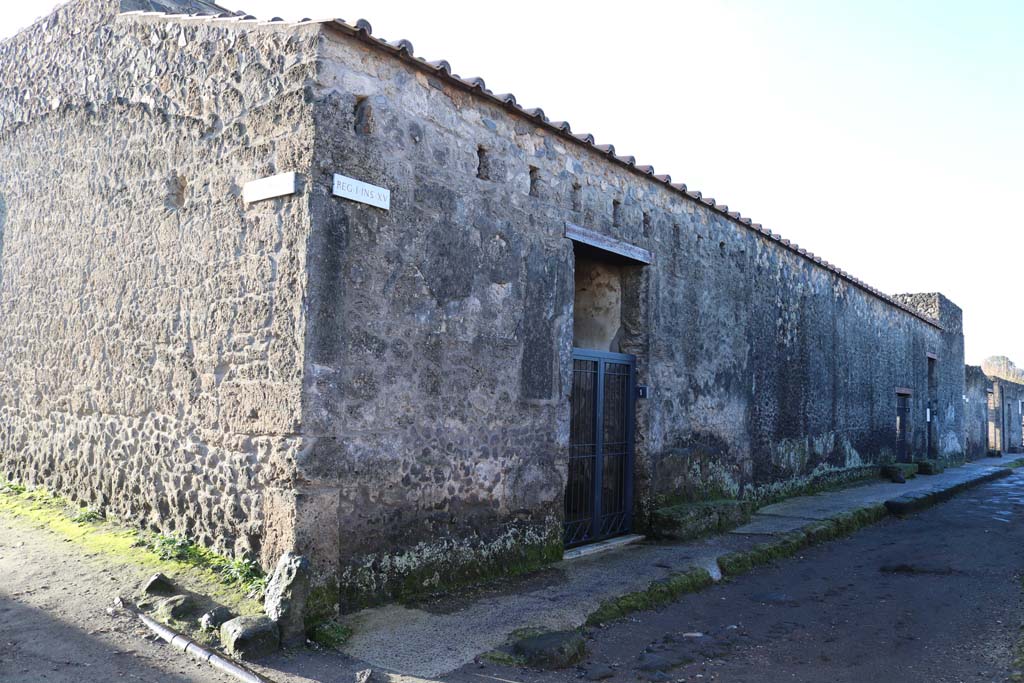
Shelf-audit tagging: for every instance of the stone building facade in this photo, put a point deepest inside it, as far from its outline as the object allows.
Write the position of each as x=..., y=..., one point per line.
x=1006, y=417
x=394, y=391
x=977, y=418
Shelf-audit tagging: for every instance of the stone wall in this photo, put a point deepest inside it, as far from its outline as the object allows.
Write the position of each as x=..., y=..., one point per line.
x=387, y=392
x=1006, y=416
x=152, y=325
x=439, y=342
x=976, y=411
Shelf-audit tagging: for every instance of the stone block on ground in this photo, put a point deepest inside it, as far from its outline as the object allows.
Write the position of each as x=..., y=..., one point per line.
x=899, y=472
x=693, y=520
x=212, y=620
x=158, y=584
x=930, y=466
x=176, y=607
x=286, y=596
x=249, y=637
x=556, y=650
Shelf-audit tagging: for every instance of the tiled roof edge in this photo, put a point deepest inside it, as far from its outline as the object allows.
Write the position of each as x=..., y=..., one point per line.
x=403, y=49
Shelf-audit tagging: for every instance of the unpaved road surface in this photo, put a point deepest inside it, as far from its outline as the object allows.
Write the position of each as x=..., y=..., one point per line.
x=54, y=624
x=932, y=598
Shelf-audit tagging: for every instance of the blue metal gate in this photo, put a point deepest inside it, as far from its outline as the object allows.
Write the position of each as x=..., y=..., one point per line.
x=599, y=488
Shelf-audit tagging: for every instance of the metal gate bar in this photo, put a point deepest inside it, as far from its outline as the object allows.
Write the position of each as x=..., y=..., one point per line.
x=599, y=488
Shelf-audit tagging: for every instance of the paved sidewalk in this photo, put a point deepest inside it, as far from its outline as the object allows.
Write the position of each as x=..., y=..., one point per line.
x=440, y=638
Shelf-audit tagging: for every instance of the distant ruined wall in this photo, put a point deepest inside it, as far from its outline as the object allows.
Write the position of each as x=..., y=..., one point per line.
x=151, y=324
x=1001, y=367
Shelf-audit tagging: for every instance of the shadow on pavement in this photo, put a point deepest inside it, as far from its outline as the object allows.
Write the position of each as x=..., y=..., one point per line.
x=36, y=646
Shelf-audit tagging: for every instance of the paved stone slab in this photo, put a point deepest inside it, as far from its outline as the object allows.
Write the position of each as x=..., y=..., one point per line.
x=771, y=525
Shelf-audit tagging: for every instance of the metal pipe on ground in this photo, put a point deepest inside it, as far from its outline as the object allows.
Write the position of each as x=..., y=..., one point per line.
x=201, y=653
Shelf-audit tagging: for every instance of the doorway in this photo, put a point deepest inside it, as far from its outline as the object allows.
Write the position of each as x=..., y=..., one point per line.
x=902, y=428
x=931, y=410
x=599, y=485
x=599, y=489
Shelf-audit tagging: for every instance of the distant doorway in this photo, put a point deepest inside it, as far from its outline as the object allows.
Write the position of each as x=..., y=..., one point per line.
x=903, y=428
x=932, y=445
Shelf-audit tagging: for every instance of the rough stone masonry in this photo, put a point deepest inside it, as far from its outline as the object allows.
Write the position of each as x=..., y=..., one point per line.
x=387, y=392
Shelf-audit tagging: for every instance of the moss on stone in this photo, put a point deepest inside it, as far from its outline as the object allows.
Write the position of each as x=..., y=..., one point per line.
x=321, y=605
x=331, y=634
x=930, y=466
x=502, y=658
x=907, y=469
x=657, y=594
x=787, y=545
x=694, y=520
x=447, y=566
x=826, y=479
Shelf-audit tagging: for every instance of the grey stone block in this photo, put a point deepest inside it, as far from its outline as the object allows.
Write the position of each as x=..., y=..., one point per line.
x=285, y=600
x=250, y=637
x=556, y=650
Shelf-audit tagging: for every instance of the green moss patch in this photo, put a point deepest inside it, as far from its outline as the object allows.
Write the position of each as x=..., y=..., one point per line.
x=502, y=658
x=331, y=634
x=687, y=521
x=225, y=581
x=817, y=482
x=440, y=568
x=657, y=594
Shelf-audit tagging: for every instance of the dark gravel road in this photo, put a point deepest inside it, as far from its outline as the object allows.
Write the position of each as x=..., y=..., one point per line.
x=934, y=597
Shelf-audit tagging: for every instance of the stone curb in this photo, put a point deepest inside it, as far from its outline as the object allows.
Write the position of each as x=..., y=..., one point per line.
x=919, y=500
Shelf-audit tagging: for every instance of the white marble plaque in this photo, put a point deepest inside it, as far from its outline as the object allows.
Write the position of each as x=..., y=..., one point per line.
x=358, y=191
x=268, y=188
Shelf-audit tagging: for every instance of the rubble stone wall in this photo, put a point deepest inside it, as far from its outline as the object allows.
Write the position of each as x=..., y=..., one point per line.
x=387, y=392
x=151, y=323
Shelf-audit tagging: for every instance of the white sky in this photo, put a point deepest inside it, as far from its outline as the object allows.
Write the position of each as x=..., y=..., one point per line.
x=885, y=135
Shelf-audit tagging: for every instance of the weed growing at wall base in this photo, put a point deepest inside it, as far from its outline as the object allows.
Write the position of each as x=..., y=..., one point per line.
x=239, y=572
x=166, y=553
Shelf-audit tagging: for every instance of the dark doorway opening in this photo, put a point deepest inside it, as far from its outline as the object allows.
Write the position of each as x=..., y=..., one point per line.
x=931, y=411
x=599, y=490
x=993, y=425
x=903, y=428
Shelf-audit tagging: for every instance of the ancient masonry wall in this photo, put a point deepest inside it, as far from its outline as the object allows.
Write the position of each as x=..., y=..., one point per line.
x=386, y=392
x=1006, y=416
x=976, y=412
x=439, y=340
x=152, y=325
